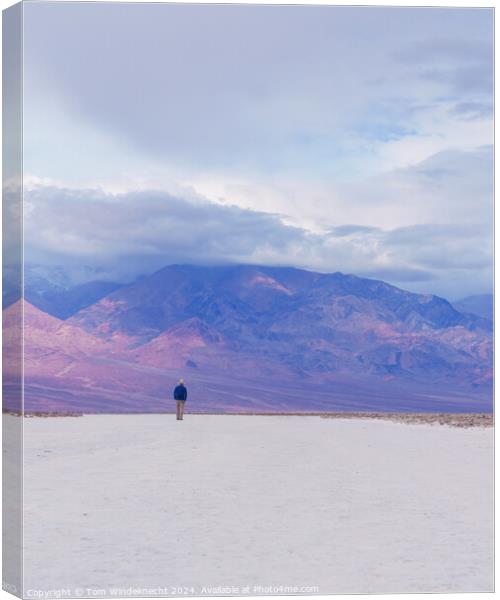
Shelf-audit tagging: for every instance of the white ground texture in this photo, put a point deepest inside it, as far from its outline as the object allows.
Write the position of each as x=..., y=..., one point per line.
x=349, y=506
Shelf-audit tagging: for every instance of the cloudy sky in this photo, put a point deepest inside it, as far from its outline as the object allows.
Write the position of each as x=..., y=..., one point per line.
x=331, y=138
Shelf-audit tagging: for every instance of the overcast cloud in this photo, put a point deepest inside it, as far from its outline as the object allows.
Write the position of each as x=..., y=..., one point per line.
x=126, y=235
x=333, y=138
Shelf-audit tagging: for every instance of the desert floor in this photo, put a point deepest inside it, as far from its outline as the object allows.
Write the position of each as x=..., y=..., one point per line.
x=326, y=505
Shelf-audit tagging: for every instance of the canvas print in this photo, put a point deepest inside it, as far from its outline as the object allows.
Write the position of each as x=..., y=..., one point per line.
x=247, y=299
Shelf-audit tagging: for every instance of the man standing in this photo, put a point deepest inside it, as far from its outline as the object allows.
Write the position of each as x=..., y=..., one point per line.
x=180, y=396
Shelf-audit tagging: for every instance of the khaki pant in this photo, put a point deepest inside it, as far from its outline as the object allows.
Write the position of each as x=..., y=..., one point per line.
x=180, y=409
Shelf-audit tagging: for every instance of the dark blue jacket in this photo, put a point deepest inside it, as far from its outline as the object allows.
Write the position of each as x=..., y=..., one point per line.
x=180, y=392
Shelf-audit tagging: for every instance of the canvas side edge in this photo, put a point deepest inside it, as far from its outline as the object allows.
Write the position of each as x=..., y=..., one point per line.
x=12, y=313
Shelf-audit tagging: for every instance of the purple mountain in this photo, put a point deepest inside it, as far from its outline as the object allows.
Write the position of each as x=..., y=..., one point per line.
x=271, y=339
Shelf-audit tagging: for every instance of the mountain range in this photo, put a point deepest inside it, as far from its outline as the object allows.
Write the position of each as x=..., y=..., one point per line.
x=479, y=304
x=250, y=339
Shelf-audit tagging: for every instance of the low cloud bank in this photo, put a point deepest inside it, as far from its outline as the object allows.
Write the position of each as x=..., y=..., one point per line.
x=126, y=235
